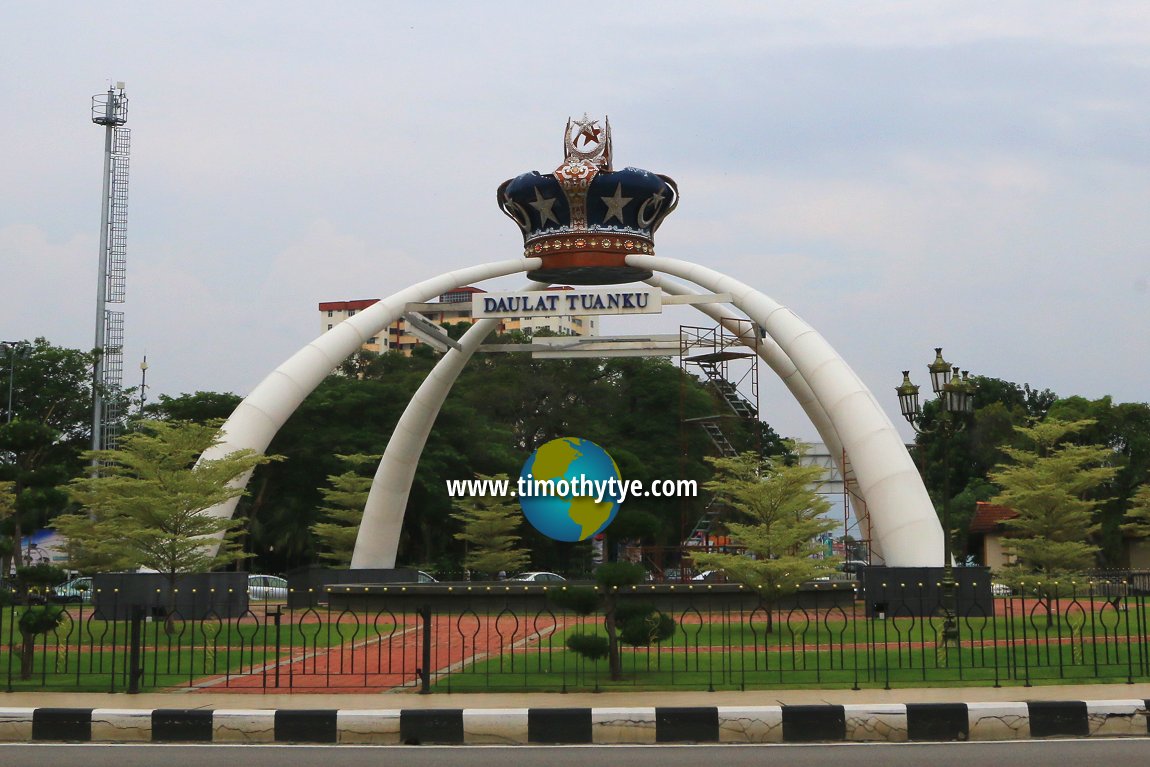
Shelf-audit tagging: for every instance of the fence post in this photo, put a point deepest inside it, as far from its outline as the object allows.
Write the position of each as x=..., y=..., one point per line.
x=425, y=670
x=135, y=671
x=276, y=615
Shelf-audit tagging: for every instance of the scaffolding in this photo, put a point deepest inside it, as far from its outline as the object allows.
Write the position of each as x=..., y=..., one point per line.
x=720, y=357
x=840, y=480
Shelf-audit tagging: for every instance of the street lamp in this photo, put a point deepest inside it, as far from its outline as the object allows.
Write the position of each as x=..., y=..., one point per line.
x=955, y=395
x=143, y=384
x=12, y=348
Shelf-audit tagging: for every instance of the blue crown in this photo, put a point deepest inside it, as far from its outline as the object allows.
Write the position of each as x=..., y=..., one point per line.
x=584, y=219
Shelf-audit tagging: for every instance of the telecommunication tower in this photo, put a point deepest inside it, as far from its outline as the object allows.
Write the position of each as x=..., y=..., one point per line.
x=111, y=110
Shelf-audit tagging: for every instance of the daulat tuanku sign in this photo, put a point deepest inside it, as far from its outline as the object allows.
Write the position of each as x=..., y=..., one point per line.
x=566, y=302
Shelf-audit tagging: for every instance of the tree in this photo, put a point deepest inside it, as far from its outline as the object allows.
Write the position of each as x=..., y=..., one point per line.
x=36, y=619
x=489, y=525
x=147, y=507
x=1048, y=482
x=42, y=438
x=7, y=509
x=785, y=516
x=1125, y=429
x=630, y=622
x=200, y=407
x=345, y=500
x=1138, y=515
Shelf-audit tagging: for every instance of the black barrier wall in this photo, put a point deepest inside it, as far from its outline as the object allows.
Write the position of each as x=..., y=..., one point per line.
x=196, y=595
x=917, y=591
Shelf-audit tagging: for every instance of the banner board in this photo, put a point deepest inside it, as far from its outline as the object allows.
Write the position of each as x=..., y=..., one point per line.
x=563, y=303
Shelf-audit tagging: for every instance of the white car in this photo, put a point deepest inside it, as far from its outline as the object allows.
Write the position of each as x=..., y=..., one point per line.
x=266, y=588
x=538, y=578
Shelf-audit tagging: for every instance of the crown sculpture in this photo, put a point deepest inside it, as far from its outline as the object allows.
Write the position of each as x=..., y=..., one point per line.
x=585, y=218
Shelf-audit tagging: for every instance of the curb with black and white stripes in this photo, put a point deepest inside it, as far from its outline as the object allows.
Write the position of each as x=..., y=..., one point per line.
x=884, y=722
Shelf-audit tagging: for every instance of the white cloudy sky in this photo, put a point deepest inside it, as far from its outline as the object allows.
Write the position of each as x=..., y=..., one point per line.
x=903, y=174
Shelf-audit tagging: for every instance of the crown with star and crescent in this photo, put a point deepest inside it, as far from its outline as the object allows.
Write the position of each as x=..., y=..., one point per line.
x=584, y=218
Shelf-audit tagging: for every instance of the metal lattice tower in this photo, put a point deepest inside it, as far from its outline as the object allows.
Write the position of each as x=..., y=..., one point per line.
x=111, y=110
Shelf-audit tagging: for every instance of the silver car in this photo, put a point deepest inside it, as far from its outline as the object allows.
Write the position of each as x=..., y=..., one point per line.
x=267, y=588
x=538, y=578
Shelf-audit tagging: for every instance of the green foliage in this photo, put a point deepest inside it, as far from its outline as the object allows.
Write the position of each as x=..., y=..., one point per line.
x=147, y=508
x=40, y=619
x=489, y=526
x=619, y=574
x=785, y=517
x=200, y=407
x=640, y=624
x=973, y=451
x=345, y=499
x=581, y=600
x=1138, y=516
x=629, y=622
x=591, y=646
x=40, y=576
x=50, y=425
x=1048, y=483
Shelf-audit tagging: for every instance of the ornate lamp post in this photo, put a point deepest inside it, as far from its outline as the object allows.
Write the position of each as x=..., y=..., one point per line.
x=955, y=395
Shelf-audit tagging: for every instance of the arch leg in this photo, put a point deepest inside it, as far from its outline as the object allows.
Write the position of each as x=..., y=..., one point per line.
x=261, y=414
x=377, y=542
x=903, y=520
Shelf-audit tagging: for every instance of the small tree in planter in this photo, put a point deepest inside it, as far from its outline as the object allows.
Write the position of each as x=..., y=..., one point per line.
x=636, y=624
x=35, y=583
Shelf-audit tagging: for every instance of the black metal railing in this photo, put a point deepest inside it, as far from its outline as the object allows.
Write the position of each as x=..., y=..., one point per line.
x=472, y=637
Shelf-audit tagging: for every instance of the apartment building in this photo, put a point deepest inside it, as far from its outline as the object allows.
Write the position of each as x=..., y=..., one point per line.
x=452, y=307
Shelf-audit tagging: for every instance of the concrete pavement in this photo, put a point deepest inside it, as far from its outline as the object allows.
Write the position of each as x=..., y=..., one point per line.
x=409, y=699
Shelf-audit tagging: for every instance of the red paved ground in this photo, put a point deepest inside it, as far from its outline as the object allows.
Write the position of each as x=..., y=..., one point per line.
x=392, y=660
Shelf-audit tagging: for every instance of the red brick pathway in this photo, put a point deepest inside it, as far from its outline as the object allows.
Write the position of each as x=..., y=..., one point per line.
x=391, y=660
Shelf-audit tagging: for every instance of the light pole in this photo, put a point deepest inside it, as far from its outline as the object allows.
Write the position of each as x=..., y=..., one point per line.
x=13, y=348
x=955, y=395
x=143, y=384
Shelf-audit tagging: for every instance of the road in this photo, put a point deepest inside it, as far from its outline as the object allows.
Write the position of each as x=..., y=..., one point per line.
x=1040, y=753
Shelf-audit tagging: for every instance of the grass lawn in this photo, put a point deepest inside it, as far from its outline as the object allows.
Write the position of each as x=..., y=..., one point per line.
x=555, y=668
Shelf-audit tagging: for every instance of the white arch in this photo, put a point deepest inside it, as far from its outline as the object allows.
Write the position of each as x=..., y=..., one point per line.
x=260, y=415
x=904, y=525
x=903, y=520
x=377, y=542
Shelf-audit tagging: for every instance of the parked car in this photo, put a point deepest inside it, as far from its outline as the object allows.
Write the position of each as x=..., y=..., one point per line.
x=422, y=577
x=75, y=590
x=538, y=577
x=266, y=588
x=1000, y=590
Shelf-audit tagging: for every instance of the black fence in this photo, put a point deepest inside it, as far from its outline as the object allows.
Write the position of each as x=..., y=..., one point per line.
x=485, y=637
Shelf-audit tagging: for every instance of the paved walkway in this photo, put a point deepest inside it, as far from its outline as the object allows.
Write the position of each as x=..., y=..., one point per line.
x=412, y=700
